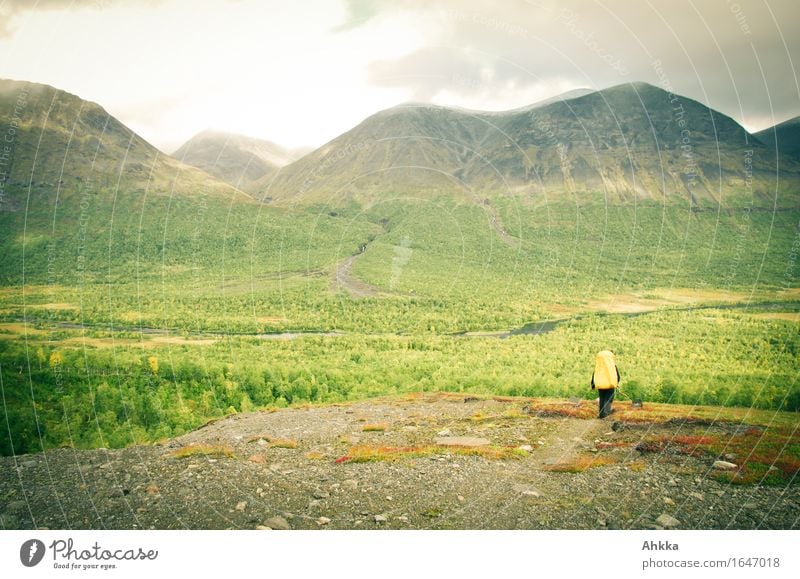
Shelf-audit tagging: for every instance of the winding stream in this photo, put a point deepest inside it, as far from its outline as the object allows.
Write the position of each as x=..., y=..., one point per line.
x=537, y=328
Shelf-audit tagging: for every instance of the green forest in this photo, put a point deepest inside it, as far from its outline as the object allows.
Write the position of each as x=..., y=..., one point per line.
x=139, y=320
x=90, y=389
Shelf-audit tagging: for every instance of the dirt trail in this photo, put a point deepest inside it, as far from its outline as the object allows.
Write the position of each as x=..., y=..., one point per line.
x=343, y=279
x=568, y=439
x=497, y=227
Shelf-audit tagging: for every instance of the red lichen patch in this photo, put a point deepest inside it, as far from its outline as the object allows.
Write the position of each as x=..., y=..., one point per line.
x=762, y=455
x=546, y=408
x=505, y=399
x=693, y=440
x=649, y=446
x=790, y=466
x=771, y=456
x=605, y=445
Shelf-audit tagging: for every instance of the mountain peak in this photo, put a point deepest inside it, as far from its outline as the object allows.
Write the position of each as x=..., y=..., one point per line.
x=237, y=159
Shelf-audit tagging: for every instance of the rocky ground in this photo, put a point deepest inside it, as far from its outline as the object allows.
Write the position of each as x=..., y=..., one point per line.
x=448, y=462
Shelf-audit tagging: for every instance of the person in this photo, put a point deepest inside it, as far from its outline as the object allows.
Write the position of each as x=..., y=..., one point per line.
x=605, y=379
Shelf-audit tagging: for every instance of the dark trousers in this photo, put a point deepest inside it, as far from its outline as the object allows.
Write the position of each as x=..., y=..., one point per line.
x=606, y=398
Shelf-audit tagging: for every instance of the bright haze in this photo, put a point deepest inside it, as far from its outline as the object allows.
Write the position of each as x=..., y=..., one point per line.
x=300, y=73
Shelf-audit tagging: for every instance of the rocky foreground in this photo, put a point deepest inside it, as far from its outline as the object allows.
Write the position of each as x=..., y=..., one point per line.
x=417, y=462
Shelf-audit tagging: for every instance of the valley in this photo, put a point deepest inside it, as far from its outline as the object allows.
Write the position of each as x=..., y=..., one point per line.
x=425, y=258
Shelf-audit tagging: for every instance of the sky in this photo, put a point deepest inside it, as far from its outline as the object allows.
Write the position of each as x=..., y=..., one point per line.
x=300, y=73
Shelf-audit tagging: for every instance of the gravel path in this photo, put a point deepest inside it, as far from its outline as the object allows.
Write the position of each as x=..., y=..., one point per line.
x=343, y=279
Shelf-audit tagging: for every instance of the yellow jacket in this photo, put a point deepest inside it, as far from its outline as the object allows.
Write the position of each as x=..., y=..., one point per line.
x=606, y=374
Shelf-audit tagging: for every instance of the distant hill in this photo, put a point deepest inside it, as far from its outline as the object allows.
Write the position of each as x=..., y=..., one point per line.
x=785, y=135
x=633, y=141
x=61, y=141
x=236, y=159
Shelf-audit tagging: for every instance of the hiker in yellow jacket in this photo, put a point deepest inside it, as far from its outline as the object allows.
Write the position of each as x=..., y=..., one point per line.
x=605, y=378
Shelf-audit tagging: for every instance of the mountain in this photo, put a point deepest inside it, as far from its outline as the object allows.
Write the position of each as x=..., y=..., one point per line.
x=236, y=159
x=629, y=142
x=785, y=135
x=59, y=142
x=83, y=196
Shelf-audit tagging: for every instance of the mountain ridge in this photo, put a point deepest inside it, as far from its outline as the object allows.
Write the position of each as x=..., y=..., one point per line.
x=631, y=142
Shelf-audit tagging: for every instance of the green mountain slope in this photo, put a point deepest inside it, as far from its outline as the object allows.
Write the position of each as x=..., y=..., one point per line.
x=624, y=144
x=784, y=136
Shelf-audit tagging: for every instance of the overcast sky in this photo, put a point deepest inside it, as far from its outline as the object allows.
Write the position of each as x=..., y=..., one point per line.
x=301, y=72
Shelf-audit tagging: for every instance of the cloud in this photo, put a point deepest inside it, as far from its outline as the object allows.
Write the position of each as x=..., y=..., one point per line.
x=715, y=52
x=11, y=9
x=359, y=12
x=428, y=71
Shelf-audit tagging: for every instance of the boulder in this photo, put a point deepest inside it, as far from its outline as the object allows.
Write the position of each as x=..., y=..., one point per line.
x=724, y=465
x=277, y=523
x=667, y=521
